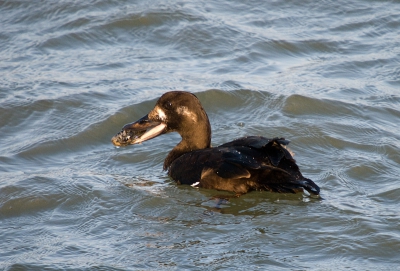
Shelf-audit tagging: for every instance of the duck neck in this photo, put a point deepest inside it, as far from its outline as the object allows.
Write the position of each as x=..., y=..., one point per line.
x=192, y=140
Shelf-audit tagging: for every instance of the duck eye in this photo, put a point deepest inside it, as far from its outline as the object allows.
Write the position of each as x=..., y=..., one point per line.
x=168, y=105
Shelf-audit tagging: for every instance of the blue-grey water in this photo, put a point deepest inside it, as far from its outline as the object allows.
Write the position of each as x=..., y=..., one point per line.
x=323, y=74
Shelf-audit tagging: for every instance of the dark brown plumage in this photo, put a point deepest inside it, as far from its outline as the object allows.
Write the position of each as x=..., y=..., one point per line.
x=245, y=164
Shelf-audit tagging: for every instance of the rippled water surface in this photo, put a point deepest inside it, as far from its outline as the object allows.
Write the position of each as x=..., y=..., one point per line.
x=323, y=74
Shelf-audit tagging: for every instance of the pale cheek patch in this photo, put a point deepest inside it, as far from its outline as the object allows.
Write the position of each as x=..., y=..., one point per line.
x=161, y=114
x=183, y=110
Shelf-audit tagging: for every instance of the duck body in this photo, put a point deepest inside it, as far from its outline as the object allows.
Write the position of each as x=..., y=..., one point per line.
x=245, y=164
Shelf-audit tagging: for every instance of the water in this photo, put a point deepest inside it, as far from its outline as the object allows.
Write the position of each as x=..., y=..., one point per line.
x=323, y=74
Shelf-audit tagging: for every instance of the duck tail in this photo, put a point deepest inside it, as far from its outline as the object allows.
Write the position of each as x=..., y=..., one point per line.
x=310, y=186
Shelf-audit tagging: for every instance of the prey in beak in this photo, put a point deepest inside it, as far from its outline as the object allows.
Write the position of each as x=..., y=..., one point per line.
x=138, y=131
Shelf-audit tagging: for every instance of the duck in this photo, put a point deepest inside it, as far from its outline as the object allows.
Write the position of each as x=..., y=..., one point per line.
x=251, y=163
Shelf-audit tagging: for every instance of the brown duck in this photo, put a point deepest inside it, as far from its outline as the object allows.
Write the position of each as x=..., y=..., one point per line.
x=242, y=165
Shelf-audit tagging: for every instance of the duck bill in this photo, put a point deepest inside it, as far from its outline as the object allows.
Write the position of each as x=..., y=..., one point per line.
x=138, y=132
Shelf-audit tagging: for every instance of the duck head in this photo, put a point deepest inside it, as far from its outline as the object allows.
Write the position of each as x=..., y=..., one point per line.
x=175, y=111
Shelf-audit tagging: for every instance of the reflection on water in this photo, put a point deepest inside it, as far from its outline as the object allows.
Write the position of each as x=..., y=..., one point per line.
x=324, y=75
